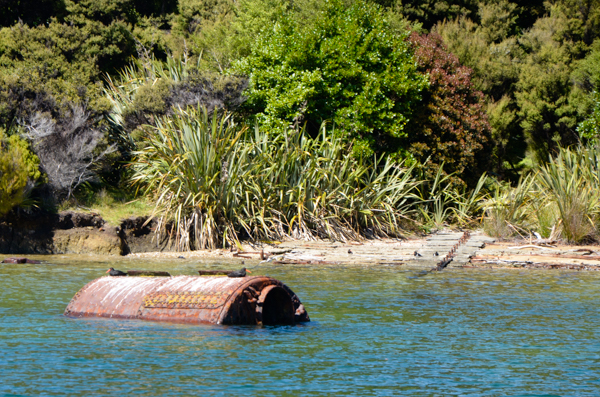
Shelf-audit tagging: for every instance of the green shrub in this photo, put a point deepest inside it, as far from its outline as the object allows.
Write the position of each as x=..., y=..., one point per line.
x=346, y=65
x=15, y=167
x=149, y=88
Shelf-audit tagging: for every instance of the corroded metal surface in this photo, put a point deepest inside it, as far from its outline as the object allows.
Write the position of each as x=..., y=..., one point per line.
x=147, y=273
x=189, y=299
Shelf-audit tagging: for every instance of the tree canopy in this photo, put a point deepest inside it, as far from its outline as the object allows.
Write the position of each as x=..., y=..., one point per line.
x=495, y=85
x=349, y=68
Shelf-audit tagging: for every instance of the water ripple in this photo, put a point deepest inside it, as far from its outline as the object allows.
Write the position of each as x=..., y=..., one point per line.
x=375, y=332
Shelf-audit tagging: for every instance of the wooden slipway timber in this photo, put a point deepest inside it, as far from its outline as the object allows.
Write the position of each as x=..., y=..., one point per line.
x=190, y=299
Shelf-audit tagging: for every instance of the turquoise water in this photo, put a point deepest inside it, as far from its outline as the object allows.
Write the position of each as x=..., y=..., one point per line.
x=375, y=332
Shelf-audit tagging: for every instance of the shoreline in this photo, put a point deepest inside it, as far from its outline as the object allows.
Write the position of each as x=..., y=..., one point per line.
x=491, y=254
x=81, y=234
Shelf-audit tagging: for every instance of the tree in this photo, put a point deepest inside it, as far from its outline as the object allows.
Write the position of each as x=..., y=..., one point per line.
x=429, y=12
x=19, y=169
x=450, y=126
x=526, y=74
x=589, y=129
x=547, y=117
x=346, y=65
x=68, y=150
x=30, y=12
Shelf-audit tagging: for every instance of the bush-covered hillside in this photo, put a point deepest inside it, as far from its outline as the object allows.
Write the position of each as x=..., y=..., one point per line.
x=445, y=91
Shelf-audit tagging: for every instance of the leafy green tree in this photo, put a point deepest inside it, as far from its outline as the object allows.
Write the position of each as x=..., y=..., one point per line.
x=589, y=129
x=579, y=21
x=18, y=166
x=220, y=32
x=65, y=60
x=527, y=74
x=429, y=12
x=547, y=117
x=586, y=76
x=489, y=47
x=347, y=66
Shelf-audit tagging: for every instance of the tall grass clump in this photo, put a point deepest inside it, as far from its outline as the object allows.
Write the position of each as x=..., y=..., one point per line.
x=559, y=199
x=218, y=183
x=441, y=203
x=570, y=183
x=508, y=209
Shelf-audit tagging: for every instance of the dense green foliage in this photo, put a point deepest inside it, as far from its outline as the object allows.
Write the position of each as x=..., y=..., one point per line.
x=96, y=92
x=351, y=69
x=18, y=166
x=537, y=77
x=219, y=184
x=589, y=129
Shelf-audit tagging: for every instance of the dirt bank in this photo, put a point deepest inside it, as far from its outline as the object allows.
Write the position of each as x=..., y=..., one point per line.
x=76, y=233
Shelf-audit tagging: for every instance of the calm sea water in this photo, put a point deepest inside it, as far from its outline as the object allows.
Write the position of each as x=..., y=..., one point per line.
x=374, y=332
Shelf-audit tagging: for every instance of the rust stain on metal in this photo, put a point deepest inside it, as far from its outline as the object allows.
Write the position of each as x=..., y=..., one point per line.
x=190, y=299
x=185, y=300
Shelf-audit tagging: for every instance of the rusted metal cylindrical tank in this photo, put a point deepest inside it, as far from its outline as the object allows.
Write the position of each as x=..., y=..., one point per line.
x=190, y=299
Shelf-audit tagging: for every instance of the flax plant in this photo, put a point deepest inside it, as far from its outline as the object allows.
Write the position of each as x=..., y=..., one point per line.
x=434, y=199
x=217, y=182
x=468, y=204
x=191, y=164
x=441, y=204
x=561, y=199
x=570, y=182
x=508, y=210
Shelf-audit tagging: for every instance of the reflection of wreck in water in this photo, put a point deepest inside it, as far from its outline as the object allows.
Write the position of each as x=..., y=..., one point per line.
x=190, y=299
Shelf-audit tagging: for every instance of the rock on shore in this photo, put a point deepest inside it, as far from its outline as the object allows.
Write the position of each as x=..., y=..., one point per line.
x=76, y=233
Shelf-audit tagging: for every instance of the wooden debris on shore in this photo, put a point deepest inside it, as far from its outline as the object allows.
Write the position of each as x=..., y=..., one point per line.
x=497, y=262
x=262, y=255
x=532, y=256
x=20, y=261
x=304, y=262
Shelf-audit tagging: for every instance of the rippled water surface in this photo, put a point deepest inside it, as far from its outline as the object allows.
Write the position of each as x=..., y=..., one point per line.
x=374, y=331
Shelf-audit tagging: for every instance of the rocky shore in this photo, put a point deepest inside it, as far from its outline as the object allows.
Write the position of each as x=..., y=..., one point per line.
x=87, y=233
x=76, y=233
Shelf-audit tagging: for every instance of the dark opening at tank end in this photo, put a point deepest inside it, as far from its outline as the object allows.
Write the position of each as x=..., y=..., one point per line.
x=190, y=299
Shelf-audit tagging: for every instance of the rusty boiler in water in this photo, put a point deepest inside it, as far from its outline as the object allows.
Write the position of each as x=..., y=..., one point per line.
x=190, y=299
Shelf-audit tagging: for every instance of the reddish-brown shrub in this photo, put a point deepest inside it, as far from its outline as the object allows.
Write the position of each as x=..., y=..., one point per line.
x=450, y=125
